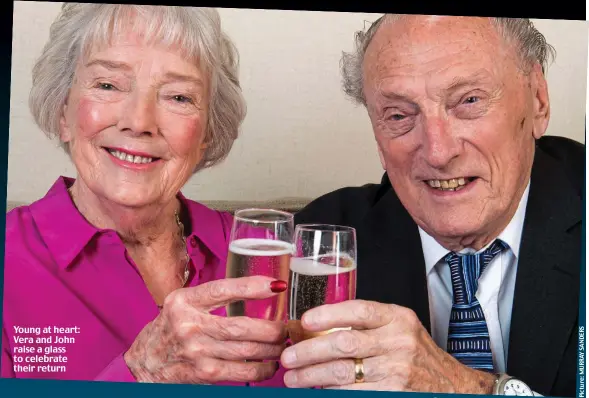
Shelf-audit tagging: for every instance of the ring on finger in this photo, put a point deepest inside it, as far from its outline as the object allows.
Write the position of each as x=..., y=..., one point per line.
x=358, y=370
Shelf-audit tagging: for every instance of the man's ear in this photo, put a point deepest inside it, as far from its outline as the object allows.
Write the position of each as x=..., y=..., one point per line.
x=381, y=157
x=541, y=101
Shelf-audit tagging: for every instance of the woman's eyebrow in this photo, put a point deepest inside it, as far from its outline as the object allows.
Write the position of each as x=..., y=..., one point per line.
x=108, y=64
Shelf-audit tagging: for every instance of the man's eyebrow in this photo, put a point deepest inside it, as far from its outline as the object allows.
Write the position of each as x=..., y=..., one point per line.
x=393, y=96
x=468, y=80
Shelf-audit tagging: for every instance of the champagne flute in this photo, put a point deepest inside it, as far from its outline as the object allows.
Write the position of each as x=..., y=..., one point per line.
x=322, y=271
x=260, y=244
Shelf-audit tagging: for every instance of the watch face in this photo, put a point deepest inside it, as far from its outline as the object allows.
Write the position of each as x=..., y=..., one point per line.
x=516, y=387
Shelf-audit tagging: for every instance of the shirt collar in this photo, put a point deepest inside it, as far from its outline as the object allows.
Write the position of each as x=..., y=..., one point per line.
x=511, y=235
x=208, y=226
x=66, y=232
x=63, y=229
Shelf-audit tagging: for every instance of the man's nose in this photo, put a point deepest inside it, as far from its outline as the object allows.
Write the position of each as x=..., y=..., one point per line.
x=440, y=143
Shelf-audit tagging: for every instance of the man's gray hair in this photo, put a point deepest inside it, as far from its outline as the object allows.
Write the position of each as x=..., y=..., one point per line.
x=529, y=41
x=80, y=26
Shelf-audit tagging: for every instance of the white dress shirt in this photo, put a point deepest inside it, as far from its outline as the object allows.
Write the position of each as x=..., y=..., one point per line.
x=495, y=289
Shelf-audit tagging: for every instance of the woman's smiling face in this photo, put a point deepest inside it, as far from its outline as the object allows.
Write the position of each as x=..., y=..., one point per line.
x=135, y=120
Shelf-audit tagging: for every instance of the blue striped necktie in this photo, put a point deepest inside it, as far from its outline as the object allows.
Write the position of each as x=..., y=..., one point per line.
x=468, y=336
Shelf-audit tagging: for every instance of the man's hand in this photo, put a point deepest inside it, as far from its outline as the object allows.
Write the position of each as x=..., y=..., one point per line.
x=397, y=352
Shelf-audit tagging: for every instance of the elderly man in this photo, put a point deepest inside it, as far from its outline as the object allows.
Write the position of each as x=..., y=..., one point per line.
x=469, y=249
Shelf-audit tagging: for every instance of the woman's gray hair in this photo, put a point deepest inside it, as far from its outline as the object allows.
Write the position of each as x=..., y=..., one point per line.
x=528, y=40
x=196, y=31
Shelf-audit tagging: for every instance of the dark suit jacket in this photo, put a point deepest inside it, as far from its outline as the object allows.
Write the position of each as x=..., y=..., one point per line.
x=543, y=339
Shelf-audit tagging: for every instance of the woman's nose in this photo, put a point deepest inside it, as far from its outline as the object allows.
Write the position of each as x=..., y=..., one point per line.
x=139, y=115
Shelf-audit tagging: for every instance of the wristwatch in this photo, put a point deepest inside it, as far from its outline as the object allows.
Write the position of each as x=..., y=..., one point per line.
x=508, y=385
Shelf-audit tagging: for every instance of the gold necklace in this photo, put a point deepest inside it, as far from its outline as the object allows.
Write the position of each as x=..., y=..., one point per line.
x=181, y=226
x=186, y=268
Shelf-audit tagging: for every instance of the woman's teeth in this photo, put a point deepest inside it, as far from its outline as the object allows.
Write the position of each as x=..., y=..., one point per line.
x=130, y=158
x=454, y=184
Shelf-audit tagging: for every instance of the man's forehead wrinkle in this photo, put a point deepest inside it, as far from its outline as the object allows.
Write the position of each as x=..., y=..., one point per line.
x=395, y=65
x=388, y=55
x=409, y=42
x=405, y=32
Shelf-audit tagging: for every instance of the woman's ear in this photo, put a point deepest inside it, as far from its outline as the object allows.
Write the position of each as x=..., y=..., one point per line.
x=65, y=133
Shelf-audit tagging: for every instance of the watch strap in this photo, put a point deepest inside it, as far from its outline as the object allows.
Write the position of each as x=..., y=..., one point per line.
x=500, y=381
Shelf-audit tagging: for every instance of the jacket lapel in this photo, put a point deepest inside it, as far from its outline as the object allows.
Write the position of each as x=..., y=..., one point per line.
x=545, y=305
x=393, y=268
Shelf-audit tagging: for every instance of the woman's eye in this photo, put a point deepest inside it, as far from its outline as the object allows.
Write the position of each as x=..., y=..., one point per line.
x=182, y=99
x=106, y=86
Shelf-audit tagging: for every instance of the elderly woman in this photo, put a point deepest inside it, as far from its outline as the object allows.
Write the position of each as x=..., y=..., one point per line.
x=116, y=276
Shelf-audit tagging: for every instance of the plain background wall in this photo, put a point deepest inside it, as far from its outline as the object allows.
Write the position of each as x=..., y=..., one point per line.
x=301, y=137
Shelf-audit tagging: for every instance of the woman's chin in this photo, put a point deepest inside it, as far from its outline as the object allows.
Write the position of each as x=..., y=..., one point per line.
x=130, y=200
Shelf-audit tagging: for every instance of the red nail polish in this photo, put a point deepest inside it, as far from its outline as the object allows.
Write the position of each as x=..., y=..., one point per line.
x=278, y=286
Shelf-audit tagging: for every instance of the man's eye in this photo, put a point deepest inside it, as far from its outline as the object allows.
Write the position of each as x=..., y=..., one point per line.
x=471, y=100
x=396, y=117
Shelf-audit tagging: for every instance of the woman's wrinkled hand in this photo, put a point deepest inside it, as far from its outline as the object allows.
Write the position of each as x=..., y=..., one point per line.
x=187, y=344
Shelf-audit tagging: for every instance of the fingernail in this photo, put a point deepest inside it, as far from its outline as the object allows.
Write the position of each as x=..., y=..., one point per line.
x=289, y=356
x=290, y=378
x=308, y=319
x=278, y=286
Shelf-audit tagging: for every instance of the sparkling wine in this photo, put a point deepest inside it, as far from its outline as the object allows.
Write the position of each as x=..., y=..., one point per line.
x=248, y=257
x=326, y=279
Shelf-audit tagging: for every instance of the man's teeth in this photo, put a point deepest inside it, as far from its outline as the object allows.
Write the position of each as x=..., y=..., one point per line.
x=130, y=158
x=453, y=184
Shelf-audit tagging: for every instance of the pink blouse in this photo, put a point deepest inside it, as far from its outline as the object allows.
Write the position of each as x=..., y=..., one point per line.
x=70, y=282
